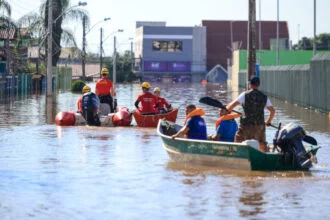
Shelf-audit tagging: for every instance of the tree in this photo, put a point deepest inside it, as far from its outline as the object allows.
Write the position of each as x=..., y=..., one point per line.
x=322, y=43
x=37, y=23
x=124, y=68
x=5, y=6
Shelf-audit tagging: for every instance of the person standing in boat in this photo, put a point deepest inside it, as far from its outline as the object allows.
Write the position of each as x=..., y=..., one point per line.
x=162, y=105
x=104, y=89
x=88, y=106
x=252, y=124
x=147, y=99
x=194, y=126
x=226, y=126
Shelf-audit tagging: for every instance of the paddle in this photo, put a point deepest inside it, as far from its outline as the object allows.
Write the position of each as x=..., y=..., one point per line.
x=215, y=103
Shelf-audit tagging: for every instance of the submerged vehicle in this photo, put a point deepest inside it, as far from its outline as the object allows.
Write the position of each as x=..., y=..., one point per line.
x=286, y=153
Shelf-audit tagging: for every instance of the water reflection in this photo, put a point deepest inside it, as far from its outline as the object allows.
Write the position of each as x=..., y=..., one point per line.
x=50, y=109
x=252, y=198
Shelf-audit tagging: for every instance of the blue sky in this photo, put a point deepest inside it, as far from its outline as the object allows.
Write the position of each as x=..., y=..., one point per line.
x=124, y=13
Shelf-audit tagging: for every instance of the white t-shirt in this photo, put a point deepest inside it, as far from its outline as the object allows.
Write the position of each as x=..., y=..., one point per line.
x=241, y=99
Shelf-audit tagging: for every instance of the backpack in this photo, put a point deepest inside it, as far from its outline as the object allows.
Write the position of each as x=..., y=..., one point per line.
x=90, y=102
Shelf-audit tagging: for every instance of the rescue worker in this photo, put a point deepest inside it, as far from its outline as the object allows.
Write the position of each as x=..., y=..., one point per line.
x=104, y=89
x=162, y=105
x=89, y=105
x=194, y=126
x=252, y=124
x=147, y=99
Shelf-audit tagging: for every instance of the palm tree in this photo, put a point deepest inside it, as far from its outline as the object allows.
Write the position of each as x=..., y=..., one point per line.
x=60, y=6
x=38, y=24
x=5, y=6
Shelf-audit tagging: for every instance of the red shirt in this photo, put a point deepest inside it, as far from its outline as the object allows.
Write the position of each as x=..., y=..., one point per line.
x=103, y=86
x=162, y=103
x=148, y=102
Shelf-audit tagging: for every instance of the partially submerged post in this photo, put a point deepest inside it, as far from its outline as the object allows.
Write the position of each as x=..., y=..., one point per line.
x=251, y=40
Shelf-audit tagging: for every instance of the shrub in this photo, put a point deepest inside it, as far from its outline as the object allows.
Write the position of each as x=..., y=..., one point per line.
x=77, y=86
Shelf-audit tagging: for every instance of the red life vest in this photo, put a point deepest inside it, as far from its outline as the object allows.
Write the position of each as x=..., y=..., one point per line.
x=148, y=102
x=103, y=86
x=162, y=103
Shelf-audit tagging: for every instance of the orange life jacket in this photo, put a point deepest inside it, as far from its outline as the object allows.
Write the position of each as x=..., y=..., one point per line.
x=197, y=111
x=226, y=117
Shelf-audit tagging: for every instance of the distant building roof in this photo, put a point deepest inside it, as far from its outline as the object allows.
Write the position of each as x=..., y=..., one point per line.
x=220, y=33
x=150, y=23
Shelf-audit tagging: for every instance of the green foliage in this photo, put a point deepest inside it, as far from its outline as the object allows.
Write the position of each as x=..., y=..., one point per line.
x=123, y=67
x=322, y=43
x=77, y=86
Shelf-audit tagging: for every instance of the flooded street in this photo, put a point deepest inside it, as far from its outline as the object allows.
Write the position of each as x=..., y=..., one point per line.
x=50, y=172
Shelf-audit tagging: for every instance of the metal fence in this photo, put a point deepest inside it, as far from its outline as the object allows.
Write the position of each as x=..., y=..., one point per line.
x=306, y=85
x=22, y=84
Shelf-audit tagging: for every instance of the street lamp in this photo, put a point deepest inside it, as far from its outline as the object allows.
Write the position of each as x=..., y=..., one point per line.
x=83, y=60
x=115, y=58
x=101, y=51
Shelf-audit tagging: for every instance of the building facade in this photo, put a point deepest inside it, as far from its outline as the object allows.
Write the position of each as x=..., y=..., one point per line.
x=226, y=36
x=170, y=54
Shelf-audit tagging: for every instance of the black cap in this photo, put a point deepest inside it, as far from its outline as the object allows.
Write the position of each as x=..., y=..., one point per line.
x=255, y=81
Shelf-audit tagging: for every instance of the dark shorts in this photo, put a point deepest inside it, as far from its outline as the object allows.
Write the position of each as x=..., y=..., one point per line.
x=107, y=99
x=247, y=132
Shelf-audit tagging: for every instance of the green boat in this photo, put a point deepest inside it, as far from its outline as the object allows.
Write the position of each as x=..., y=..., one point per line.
x=229, y=155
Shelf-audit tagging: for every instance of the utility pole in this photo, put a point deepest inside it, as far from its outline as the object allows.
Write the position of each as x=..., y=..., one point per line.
x=314, y=42
x=277, y=34
x=50, y=51
x=101, y=51
x=132, y=67
x=114, y=60
x=7, y=49
x=83, y=60
x=260, y=47
x=251, y=40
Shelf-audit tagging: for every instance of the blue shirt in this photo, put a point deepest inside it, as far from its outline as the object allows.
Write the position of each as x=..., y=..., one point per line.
x=197, y=128
x=227, y=130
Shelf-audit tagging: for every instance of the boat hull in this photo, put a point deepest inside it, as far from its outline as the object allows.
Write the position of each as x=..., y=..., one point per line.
x=71, y=118
x=152, y=120
x=225, y=154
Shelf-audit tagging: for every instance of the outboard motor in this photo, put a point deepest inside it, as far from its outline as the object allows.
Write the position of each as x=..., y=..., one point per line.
x=290, y=139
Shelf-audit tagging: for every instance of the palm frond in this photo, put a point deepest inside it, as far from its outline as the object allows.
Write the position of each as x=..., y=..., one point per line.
x=68, y=39
x=77, y=14
x=4, y=5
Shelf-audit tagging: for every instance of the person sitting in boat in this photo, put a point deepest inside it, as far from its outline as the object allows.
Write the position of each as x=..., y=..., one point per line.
x=252, y=124
x=194, y=126
x=89, y=105
x=147, y=99
x=104, y=89
x=162, y=105
x=226, y=126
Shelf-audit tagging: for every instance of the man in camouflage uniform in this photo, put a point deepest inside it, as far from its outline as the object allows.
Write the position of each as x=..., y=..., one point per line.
x=252, y=124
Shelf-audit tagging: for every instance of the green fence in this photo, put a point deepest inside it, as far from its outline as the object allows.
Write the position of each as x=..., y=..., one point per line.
x=306, y=85
x=287, y=57
x=63, y=78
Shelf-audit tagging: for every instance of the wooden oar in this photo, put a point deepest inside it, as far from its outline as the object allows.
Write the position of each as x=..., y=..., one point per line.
x=216, y=103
